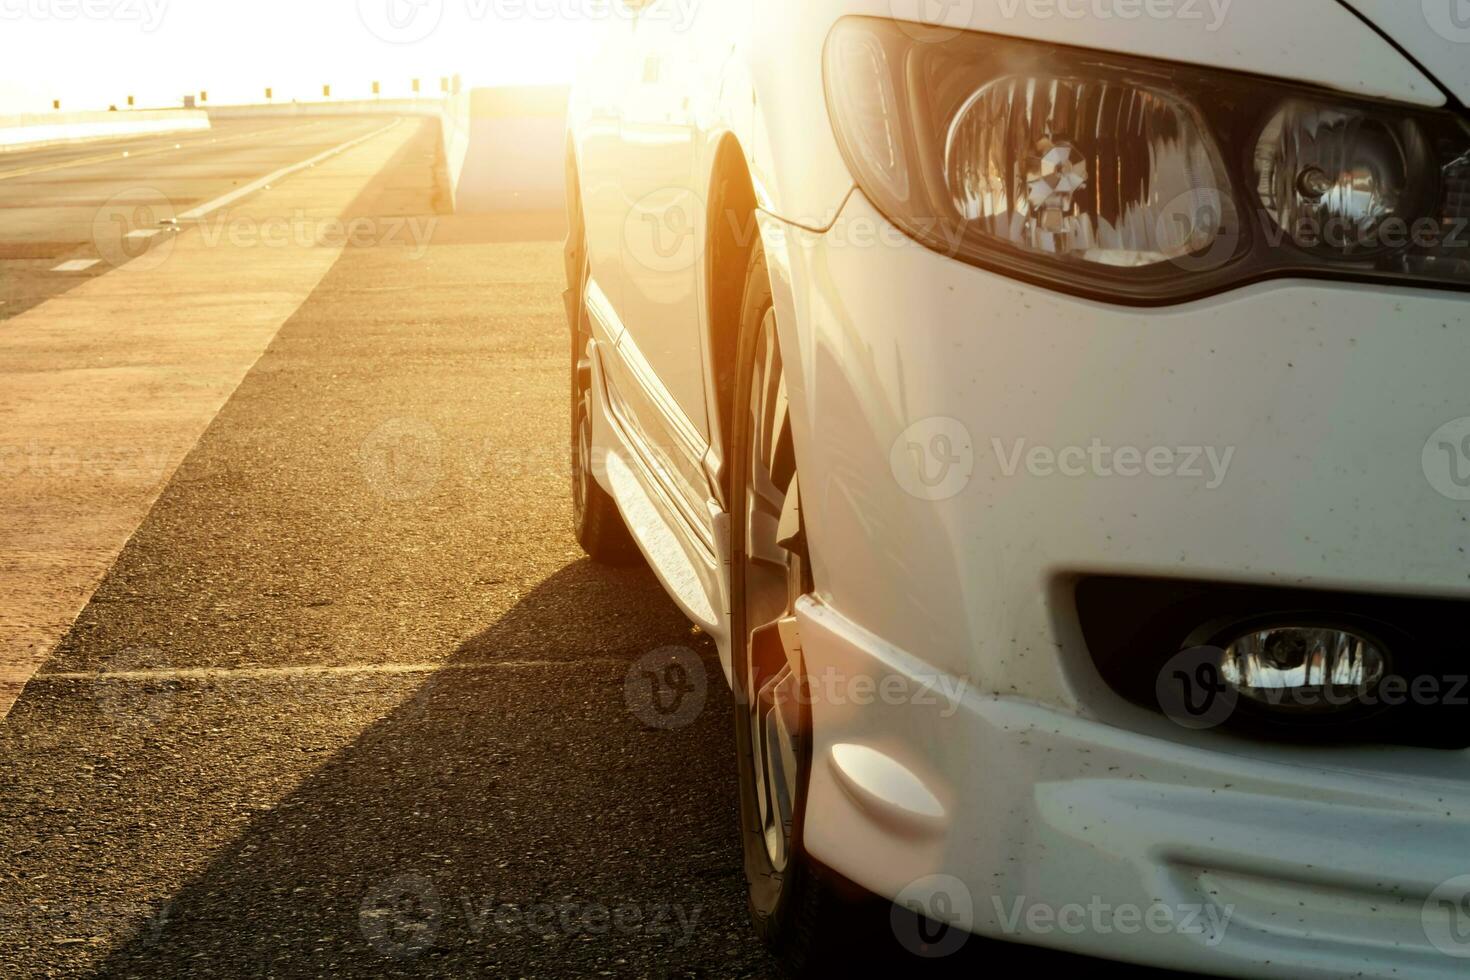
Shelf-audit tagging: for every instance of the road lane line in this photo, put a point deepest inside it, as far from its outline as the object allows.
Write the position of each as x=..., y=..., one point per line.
x=266, y=673
x=209, y=207
x=142, y=233
x=141, y=154
x=76, y=265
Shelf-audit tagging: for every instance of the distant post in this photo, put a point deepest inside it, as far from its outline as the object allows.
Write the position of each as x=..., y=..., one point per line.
x=326, y=91
x=377, y=88
x=270, y=94
x=131, y=102
x=56, y=104
x=418, y=86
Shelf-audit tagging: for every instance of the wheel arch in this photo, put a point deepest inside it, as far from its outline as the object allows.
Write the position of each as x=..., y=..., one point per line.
x=572, y=248
x=730, y=234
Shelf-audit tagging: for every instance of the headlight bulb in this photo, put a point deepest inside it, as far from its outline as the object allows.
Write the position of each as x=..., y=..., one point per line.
x=1054, y=174
x=1333, y=179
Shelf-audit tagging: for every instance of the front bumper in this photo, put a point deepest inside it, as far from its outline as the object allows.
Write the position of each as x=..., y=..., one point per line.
x=940, y=552
x=1035, y=825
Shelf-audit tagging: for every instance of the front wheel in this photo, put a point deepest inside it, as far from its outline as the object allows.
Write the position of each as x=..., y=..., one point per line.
x=795, y=905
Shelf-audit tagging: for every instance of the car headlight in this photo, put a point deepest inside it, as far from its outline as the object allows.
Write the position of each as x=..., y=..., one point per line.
x=1138, y=181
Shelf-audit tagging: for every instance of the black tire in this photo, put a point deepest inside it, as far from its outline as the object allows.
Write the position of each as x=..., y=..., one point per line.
x=803, y=912
x=595, y=517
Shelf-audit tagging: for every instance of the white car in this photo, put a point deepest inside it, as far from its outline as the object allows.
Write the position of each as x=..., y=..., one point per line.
x=1058, y=412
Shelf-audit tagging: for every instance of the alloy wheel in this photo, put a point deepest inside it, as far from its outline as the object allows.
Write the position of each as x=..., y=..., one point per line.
x=775, y=577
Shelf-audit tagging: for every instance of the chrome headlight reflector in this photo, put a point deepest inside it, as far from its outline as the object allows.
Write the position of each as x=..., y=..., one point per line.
x=1138, y=181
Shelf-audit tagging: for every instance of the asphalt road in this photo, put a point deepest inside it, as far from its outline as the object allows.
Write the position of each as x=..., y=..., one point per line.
x=68, y=204
x=354, y=653
x=351, y=702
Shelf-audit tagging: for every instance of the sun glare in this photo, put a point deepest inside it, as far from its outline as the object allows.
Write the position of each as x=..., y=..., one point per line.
x=93, y=54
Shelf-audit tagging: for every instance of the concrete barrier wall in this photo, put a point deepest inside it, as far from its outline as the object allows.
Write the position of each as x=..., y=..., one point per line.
x=515, y=154
x=36, y=131
x=503, y=147
x=452, y=113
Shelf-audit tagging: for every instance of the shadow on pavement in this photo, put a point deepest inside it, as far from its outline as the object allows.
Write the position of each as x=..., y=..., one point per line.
x=512, y=817
x=470, y=830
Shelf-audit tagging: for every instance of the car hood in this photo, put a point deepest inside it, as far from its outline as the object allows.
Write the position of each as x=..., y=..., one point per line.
x=1435, y=32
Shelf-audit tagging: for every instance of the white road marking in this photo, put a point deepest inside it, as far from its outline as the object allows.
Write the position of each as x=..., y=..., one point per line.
x=317, y=670
x=76, y=265
x=209, y=207
x=142, y=233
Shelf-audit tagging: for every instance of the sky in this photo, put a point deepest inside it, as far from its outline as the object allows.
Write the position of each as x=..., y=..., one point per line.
x=91, y=54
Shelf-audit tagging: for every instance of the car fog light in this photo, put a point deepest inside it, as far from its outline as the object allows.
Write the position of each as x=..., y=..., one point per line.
x=1304, y=669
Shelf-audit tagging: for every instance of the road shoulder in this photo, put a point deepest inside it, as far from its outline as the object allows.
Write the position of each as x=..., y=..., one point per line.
x=104, y=390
